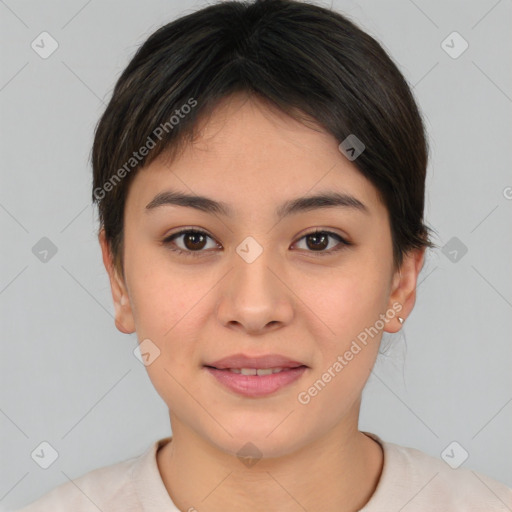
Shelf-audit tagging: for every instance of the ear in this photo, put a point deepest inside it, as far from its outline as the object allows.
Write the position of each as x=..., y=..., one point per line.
x=123, y=313
x=403, y=288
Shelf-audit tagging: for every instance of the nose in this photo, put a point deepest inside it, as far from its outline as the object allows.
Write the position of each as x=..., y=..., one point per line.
x=254, y=297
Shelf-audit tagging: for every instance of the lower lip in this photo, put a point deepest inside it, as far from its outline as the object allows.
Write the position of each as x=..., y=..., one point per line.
x=256, y=385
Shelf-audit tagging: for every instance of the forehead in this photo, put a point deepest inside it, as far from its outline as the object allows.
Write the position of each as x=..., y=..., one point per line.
x=251, y=157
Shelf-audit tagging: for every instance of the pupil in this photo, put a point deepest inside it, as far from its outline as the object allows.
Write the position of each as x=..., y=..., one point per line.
x=319, y=241
x=317, y=237
x=190, y=238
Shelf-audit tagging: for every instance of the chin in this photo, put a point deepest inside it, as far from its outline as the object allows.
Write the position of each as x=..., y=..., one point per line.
x=259, y=437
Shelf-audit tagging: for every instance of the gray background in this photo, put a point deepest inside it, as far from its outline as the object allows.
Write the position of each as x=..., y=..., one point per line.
x=70, y=378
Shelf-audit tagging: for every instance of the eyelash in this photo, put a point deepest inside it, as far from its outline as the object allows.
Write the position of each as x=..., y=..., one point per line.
x=170, y=241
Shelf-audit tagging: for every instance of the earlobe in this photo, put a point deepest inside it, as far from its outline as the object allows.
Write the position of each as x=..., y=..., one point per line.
x=403, y=293
x=123, y=314
x=124, y=321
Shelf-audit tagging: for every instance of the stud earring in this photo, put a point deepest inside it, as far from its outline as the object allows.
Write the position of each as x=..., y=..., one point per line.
x=400, y=319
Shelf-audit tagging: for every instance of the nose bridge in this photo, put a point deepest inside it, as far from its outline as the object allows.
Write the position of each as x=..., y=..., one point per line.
x=253, y=295
x=252, y=274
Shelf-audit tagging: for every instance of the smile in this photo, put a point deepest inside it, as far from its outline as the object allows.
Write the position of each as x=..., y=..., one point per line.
x=256, y=371
x=252, y=382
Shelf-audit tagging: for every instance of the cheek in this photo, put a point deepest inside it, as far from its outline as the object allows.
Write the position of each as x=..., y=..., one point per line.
x=165, y=315
x=349, y=303
x=345, y=360
x=160, y=295
x=166, y=312
x=346, y=301
x=334, y=395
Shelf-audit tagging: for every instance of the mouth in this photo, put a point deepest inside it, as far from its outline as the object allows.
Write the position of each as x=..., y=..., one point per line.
x=254, y=371
x=256, y=376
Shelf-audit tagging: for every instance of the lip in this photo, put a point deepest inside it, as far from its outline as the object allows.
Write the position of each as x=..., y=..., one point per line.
x=258, y=362
x=254, y=386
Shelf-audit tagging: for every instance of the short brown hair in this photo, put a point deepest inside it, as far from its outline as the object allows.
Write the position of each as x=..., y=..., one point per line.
x=306, y=60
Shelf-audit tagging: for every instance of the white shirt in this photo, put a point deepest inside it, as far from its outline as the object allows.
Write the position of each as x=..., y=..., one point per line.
x=411, y=481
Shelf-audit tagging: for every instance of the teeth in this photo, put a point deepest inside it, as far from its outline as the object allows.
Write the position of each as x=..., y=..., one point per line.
x=265, y=371
x=254, y=371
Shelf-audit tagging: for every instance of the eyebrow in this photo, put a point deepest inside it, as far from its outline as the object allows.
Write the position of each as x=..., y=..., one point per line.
x=322, y=200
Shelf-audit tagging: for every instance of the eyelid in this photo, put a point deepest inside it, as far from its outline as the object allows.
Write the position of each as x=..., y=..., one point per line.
x=169, y=240
x=342, y=241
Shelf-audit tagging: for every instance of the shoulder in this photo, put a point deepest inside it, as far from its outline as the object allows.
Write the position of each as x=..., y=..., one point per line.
x=105, y=488
x=417, y=481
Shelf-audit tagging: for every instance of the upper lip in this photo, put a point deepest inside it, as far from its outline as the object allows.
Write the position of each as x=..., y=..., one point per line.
x=258, y=362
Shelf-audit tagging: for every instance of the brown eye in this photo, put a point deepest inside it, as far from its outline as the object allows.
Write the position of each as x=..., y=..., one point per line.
x=318, y=241
x=193, y=242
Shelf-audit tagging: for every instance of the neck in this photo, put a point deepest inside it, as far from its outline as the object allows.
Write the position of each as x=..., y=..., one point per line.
x=339, y=471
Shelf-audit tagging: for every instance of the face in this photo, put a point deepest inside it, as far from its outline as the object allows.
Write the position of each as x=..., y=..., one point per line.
x=256, y=285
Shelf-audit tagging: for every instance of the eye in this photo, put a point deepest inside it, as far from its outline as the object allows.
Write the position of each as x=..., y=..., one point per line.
x=318, y=240
x=194, y=241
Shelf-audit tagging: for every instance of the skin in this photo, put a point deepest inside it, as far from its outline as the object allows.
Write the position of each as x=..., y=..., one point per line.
x=291, y=300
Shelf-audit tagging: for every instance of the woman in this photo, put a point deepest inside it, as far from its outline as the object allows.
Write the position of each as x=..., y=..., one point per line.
x=260, y=173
